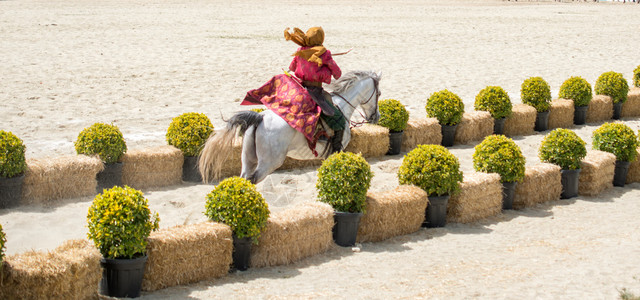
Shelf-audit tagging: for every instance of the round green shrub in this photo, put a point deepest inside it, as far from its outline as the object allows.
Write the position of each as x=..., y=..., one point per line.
x=236, y=202
x=616, y=138
x=495, y=100
x=3, y=240
x=564, y=148
x=445, y=106
x=499, y=154
x=343, y=181
x=258, y=110
x=393, y=115
x=188, y=132
x=102, y=139
x=636, y=77
x=432, y=168
x=536, y=92
x=12, y=160
x=120, y=222
x=614, y=85
x=577, y=89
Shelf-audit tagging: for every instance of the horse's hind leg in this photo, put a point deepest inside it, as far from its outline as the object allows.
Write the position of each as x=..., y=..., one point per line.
x=249, y=157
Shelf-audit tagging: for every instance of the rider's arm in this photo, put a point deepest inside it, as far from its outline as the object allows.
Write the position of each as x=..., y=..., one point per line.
x=327, y=60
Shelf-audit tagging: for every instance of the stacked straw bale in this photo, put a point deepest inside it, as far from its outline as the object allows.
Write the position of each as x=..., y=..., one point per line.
x=369, y=140
x=290, y=163
x=60, y=178
x=480, y=197
x=421, y=132
x=298, y=232
x=522, y=120
x=233, y=164
x=597, y=173
x=474, y=126
x=541, y=183
x=71, y=271
x=600, y=109
x=634, y=170
x=395, y=212
x=561, y=114
x=152, y=167
x=631, y=108
x=186, y=254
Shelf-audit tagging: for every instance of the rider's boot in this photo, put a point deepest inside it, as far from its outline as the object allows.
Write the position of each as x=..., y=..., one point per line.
x=336, y=141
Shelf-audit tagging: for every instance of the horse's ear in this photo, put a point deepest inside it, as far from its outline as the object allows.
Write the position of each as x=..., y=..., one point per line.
x=379, y=73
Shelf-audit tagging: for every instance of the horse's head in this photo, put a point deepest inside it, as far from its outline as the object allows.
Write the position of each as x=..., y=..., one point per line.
x=360, y=88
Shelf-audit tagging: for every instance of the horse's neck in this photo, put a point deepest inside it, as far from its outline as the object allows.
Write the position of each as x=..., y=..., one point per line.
x=352, y=96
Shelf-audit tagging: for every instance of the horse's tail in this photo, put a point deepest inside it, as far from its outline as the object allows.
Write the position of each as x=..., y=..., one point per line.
x=219, y=145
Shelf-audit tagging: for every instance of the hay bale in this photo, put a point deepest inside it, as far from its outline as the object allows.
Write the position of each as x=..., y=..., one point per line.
x=600, y=109
x=370, y=140
x=298, y=232
x=290, y=163
x=152, y=167
x=474, y=126
x=480, y=197
x=597, y=172
x=233, y=164
x=421, y=132
x=59, y=178
x=391, y=213
x=634, y=170
x=541, y=183
x=631, y=108
x=522, y=120
x=186, y=254
x=71, y=271
x=561, y=114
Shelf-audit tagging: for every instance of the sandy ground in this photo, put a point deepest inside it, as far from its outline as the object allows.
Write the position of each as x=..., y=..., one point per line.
x=137, y=64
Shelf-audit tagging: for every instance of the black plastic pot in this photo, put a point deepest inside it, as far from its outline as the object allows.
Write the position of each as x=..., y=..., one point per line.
x=345, y=230
x=508, y=191
x=498, y=125
x=11, y=191
x=617, y=111
x=620, y=174
x=190, y=170
x=109, y=177
x=580, y=115
x=241, y=253
x=395, y=142
x=448, y=134
x=436, y=212
x=122, y=277
x=570, y=183
x=542, y=121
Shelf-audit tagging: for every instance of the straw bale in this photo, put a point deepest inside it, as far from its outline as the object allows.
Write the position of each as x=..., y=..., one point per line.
x=600, y=109
x=421, y=132
x=290, y=163
x=233, y=164
x=185, y=254
x=597, y=172
x=391, y=213
x=152, y=167
x=474, y=126
x=522, y=120
x=71, y=271
x=480, y=197
x=370, y=140
x=561, y=114
x=293, y=234
x=631, y=108
x=541, y=183
x=634, y=170
x=49, y=179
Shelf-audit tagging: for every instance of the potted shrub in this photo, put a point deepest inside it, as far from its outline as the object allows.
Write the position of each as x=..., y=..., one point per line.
x=536, y=92
x=636, y=77
x=188, y=132
x=448, y=108
x=499, y=154
x=343, y=181
x=566, y=149
x=394, y=116
x=236, y=202
x=619, y=139
x=107, y=142
x=12, y=168
x=579, y=90
x=119, y=222
x=258, y=110
x=614, y=85
x=496, y=101
x=435, y=170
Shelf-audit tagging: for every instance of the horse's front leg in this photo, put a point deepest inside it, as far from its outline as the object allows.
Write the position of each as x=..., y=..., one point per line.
x=249, y=157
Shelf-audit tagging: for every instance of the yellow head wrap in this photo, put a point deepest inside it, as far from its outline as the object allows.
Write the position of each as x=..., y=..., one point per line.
x=313, y=38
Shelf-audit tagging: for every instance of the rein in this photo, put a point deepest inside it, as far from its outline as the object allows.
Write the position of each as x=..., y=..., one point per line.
x=354, y=124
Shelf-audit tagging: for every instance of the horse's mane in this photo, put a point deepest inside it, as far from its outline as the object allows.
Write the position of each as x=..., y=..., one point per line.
x=350, y=78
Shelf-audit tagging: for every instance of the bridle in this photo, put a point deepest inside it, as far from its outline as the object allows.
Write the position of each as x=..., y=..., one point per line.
x=375, y=92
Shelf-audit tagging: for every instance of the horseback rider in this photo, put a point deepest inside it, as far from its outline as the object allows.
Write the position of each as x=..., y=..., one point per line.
x=314, y=65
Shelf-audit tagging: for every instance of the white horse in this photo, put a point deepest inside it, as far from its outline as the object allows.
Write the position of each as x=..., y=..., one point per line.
x=268, y=139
